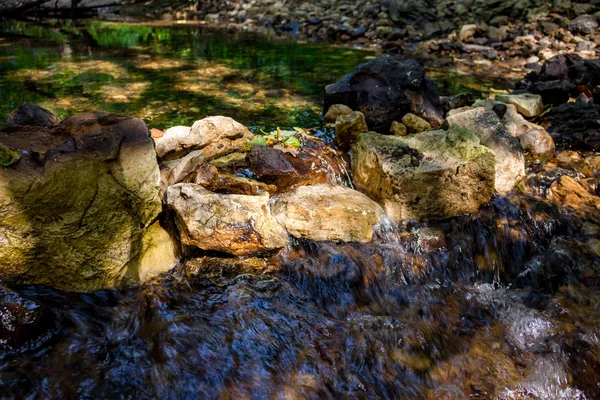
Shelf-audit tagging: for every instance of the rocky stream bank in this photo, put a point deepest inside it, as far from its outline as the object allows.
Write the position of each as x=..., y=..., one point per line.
x=413, y=188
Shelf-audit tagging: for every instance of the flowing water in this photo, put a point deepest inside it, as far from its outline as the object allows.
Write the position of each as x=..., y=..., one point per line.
x=502, y=304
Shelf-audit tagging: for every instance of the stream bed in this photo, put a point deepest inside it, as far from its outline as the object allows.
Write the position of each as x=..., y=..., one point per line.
x=501, y=304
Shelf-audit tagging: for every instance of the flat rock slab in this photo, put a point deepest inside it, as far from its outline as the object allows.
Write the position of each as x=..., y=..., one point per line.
x=433, y=174
x=528, y=104
x=229, y=223
x=327, y=213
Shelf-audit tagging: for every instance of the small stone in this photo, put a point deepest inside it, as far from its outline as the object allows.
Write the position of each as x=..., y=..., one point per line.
x=398, y=129
x=530, y=105
x=467, y=32
x=348, y=127
x=537, y=142
x=583, y=24
x=533, y=60
x=335, y=111
x=415, y=124
x=585, y=45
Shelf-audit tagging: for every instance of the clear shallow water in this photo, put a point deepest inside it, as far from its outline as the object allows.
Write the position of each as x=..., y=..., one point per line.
x=502, y=304
x=176, y=75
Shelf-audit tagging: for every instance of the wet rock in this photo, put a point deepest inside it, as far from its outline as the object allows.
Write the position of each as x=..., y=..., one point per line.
x=30, y=115
x=386, y=88
x=575, y=125
x=348, y=127
x=215, y=136
x=537, y=142
x=570, y=193
x=457, y=101
x=269, y=163
x=210, y=178
x=398, y=129
x=335, y=111
x=24, y=324
x=229, y=223
x=159, y=253
x=530, y=105
x=327, y=213
x=415, y=124
x=76, y=207
x=559, y=78
x=583, y=24
x=510, y=166
x=432, y=174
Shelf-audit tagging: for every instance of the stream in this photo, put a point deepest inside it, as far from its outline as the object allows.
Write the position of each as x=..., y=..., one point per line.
x=501, y=304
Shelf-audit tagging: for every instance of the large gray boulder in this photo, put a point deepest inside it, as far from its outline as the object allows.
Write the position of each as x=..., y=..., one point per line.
x=510, y=166
x=229, y=223
x=78, y=205
x=327, y=212
x=433, y=174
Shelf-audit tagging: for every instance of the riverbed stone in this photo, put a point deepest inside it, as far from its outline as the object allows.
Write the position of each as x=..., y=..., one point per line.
x=327, y=213
x=216, y=136
x=335, y=111
x=75, y=208
x=386, y=88
x=348, y=127
x=537, y=142
x=398, y=129
x=415, y=124
x=432, y=174
x=528, y=104
x=229, y=223
x=583, y=24
x=510, y=166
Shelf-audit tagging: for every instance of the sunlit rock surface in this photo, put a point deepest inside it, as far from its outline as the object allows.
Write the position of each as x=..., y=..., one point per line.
x=229, y=223
x=215, y=136
x=433, y=174
x=327, y=212
x=510, y=163
x=74, y=210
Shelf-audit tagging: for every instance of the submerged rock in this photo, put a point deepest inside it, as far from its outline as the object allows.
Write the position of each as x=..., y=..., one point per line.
x=215, y=136
x=24, y=324
x=229, y=223
x=385, y=89
x=75, y=209
x=327, y=213
x=432, y=174
x=510, y=166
